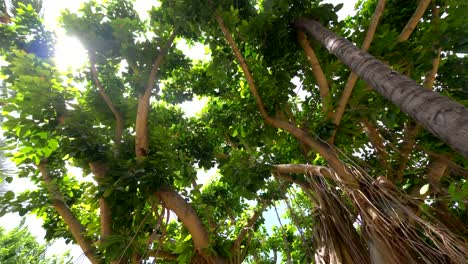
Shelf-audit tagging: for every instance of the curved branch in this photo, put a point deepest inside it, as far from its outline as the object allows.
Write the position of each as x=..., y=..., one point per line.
x=176, y=203
x=316, y=70
x=411, y=25
x=349, y=86
x=119, y=123
x=187, y=215
x=250, y=223
x=141, y=126
x=343, y=172
x=59, y=204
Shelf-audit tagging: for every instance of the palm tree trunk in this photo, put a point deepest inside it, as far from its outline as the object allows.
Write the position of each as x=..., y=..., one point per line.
x=443, y=117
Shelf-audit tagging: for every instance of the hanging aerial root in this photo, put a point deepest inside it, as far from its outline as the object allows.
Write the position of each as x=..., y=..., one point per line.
x=394, y=230
x=336, y=239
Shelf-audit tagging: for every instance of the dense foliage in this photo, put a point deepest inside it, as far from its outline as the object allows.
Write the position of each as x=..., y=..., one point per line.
x=19, y=246
x=373, y=183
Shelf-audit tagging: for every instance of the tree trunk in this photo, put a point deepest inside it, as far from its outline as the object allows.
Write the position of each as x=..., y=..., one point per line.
x=443, y=117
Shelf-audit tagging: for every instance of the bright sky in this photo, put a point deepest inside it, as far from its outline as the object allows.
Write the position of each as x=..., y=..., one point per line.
x=71, y=54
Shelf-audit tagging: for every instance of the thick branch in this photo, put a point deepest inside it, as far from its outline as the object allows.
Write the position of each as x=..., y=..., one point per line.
x=119, y=123
x=316, y=70
x=411, y=25
x=176, y=203
x=349, y=86
x=100, y=170
x=187, y=215
x=70, y=220
x=141, y=127
x=343, y=172
x=300, y=169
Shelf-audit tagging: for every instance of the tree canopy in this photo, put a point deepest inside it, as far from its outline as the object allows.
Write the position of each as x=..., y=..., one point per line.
x=333, y=140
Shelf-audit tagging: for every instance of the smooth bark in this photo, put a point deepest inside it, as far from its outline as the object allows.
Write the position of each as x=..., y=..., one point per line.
x=99, y=171
x=75, y=227
x=141, y=126
x=413, y=22
x=187, y=215
x=412, y=130
x=443, y=117
x=316, y=70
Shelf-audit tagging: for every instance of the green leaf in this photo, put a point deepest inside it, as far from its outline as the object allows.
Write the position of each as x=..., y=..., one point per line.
x=107, y=192
x=53, y=144
x=9, y=195
x=338, y=7
x=46, y=152
x=424, y=189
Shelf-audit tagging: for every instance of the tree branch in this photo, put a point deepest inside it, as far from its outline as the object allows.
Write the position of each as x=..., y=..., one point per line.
x=411, y=25
x=99, y=171
x=119, y=123
x=75, y=227
x=176, y=203
x=250, y=223
x=343, y=172
x=412, y=130
x=437, y=168
x=377, y=141
x=407, y=146
x=317, y=71
x=105, y=214
x=300, y=168
x=349, y=86
x=141, y=126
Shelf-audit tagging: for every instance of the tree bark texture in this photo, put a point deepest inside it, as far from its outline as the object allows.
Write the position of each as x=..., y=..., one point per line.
x=443, y=117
